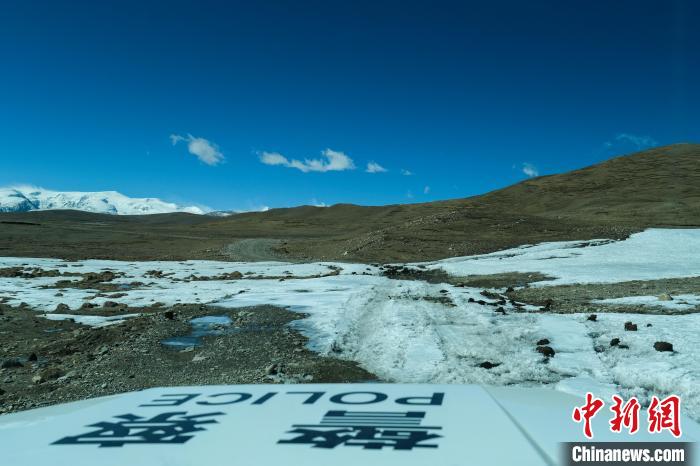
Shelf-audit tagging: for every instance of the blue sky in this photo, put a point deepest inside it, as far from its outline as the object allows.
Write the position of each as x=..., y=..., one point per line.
x=186, y=100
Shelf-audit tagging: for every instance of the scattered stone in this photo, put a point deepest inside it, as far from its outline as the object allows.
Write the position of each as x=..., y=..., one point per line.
x=489, y=364
x=663, y=346
x=546, y=351
x=665, y=297
x=630, y=327
x=614, y=342
x=50, y=373
x=543, y=342
x=62, y=308
x=593, y=317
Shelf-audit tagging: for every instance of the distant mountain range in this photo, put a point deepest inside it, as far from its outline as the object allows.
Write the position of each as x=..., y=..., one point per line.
x=29, y=198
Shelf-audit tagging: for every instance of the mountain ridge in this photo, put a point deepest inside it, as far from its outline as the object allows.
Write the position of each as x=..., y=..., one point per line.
x=30, y=198
x=659, y=187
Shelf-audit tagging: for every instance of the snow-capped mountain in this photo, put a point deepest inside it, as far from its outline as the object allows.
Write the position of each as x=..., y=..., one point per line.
x=27, y=198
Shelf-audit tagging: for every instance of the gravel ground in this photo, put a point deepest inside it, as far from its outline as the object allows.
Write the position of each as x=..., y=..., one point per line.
x=46, y=362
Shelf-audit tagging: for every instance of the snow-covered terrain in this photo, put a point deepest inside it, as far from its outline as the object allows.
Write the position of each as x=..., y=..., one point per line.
x=413, y=331
x=28, y=198
x=651, y=255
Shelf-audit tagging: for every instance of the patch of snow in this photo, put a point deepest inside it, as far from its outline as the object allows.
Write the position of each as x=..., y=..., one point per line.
x=678, y=303
x=650, y=255
x=91, y=321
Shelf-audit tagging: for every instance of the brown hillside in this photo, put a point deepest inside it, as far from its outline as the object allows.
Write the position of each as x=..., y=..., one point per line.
x=658, y=187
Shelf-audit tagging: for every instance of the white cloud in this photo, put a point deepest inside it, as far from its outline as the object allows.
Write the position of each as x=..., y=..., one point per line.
x=626, y=140
x=530, y=170
x=405, y=172
x=206, y=151
x=373, y=167
x=316, y=203
x=332, y=161
x=426, y=190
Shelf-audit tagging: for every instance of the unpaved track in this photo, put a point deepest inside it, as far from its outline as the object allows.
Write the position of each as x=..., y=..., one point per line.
x=254, y=250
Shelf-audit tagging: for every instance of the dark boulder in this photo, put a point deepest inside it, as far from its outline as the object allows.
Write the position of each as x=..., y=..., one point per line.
x=663, y=346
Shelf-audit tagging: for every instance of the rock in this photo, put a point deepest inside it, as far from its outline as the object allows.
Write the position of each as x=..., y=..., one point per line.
x=593, y=317
x=87, y=306
x=110, y=304
x=630, y=327
x=510, y=289
x=663, y=346
x=170, y=315
x=272, y=369
x=623, y=346
x=198, y=358
x=501, y=310
x=187, y=350
x=11, y=363
x=599, y=348
x=104, y=349
x=546, y=351
x=470, y=300
x=489, y=365
x=62, y=308
x=543, y=342
x=50, y=373
x=665, y=297
x=68, y=376
x=614, y=342
x=32, y=357
x=2, y=392
x=648, y=325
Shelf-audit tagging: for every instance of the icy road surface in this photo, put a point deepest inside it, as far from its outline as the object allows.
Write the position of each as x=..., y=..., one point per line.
x=412, y=331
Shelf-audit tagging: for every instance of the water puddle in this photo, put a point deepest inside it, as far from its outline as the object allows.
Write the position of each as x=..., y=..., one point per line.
x=211, y=326
x=201, y=327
